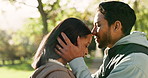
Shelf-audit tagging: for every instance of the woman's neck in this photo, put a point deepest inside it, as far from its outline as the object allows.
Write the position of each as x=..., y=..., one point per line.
x=62, y=61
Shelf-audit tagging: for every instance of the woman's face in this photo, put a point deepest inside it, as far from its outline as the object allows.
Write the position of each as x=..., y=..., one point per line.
x=85, y=41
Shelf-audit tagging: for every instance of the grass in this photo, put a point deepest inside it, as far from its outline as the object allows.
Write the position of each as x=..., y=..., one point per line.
x=12, y=73
x=16, y=71
x=23, y=70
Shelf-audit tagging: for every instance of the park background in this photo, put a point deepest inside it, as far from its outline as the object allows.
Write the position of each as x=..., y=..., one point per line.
x=23, y=23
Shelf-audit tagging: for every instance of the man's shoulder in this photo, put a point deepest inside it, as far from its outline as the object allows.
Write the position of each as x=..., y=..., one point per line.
x=138, y=61
x=136, y=58
x=135, y=63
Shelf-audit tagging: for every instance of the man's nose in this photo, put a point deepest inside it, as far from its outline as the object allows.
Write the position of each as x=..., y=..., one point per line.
x=94, y=30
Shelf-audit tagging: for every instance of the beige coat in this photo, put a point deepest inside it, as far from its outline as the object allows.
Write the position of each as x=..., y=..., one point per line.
x=52, y=70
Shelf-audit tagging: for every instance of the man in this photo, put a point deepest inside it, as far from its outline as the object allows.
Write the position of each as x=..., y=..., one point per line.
x=128, y=53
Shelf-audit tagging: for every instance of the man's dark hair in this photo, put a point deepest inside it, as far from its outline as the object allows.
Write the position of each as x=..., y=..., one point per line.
x=118, y=11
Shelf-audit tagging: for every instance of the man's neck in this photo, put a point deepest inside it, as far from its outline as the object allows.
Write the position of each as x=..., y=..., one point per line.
x=114, y=41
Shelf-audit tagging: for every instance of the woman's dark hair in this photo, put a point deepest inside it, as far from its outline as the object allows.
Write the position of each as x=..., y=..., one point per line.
x=118, y=11
x=72, y=27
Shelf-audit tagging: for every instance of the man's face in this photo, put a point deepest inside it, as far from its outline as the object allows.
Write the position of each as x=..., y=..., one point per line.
x=101, y=30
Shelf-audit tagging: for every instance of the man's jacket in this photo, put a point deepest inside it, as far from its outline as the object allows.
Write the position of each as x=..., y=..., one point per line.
x=128, y=58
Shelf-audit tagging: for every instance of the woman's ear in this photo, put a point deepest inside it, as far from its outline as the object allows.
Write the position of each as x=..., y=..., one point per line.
x=117, y=26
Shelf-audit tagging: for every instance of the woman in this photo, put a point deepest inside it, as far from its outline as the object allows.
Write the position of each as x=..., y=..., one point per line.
x=47, y=62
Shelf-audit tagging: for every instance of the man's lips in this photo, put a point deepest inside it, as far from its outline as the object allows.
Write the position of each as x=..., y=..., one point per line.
x=97, y=39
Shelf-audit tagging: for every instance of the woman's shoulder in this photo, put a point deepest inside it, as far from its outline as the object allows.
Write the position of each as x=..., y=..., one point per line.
x=60, y=74
x=58, y=71
x=52, y=69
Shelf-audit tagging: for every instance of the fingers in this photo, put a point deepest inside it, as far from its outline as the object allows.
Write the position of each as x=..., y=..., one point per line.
x=67, y=50
x=66, y=39
x=59, y=48
x=58, y=52
x=79, y=42
x=61, y=42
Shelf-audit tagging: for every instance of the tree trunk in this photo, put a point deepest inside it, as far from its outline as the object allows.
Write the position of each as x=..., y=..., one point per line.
x=3, y=62
x=12, y=62
x=44, y=17
x=136, y=11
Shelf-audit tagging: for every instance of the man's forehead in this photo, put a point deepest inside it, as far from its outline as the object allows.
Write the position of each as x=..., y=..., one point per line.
x=96, y=18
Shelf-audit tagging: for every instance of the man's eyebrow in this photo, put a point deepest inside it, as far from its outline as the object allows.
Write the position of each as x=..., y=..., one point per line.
x=97, y=22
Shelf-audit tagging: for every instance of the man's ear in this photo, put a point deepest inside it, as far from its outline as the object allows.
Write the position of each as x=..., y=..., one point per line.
x=117, y=26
